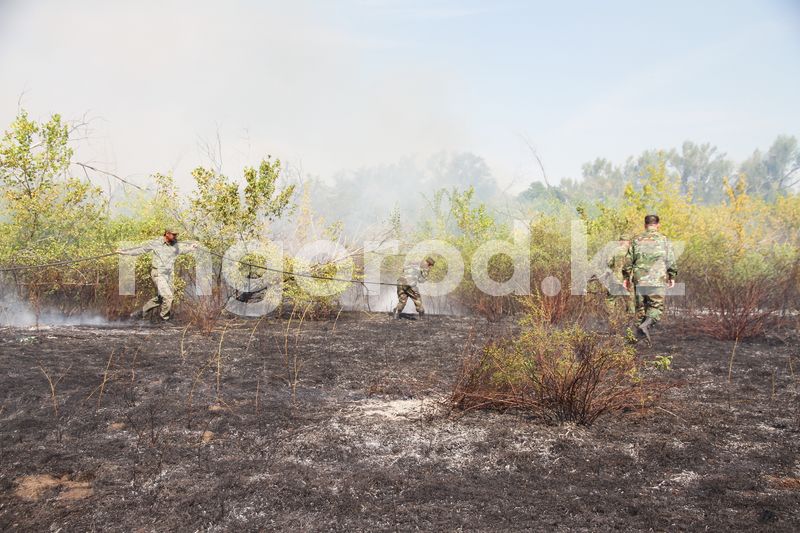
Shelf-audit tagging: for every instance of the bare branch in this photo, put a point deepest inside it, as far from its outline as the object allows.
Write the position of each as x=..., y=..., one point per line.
x=107, y=173
x=538, y=159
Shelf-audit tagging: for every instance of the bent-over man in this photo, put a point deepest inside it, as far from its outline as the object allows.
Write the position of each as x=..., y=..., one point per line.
x=617, y=295
x=408, y=286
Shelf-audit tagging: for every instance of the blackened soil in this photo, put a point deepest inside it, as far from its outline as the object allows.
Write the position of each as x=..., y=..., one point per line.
x=172, y=437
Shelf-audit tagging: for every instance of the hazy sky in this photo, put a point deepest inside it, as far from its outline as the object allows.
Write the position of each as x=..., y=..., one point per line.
x=334, y=85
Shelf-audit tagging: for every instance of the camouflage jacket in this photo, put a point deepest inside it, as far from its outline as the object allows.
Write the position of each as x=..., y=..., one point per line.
x=650, y=260
x=164, y=254
x=413, y=275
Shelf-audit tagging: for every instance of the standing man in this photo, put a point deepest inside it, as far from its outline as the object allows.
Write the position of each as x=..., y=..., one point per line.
x=617, y=295
x=408, y=283
x=651, y=269
x=165, y=251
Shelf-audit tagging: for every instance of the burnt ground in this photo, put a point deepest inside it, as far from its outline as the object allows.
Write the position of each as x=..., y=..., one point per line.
x=363, y=445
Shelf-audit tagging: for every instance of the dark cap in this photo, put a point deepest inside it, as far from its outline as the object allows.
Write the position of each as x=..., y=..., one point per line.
x=170, y=231
x=430, y=260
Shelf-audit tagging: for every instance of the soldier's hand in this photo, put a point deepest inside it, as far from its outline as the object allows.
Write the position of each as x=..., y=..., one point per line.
x=671, y=283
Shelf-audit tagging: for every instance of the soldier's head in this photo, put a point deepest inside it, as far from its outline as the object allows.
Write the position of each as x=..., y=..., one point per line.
x=651, y=221
x=428, y=262
x=170, y=236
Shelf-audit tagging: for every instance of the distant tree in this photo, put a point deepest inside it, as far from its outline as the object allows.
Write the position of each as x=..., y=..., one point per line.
x=535, y=191
x=604, y=182
x=602, y=178
x=775, y=173
x=539, y=198
x=463, y=171
x=702, y=170
x=401, y=188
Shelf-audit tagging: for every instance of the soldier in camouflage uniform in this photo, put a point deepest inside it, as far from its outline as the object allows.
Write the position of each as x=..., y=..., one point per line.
x=651, y=269
x=408, y=286
x=165, y=251
x=617, y=295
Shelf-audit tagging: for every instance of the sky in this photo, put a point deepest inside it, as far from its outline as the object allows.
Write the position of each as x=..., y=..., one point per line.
x=330, y=86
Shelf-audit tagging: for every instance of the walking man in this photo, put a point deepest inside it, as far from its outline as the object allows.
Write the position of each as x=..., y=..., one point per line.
x=617, y=295
x=165, y=251
x=651, y=269
x=408, y=286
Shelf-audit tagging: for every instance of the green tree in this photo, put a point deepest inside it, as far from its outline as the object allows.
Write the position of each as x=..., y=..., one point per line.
x=222, y=210
x=47, y=215
x=45, y=212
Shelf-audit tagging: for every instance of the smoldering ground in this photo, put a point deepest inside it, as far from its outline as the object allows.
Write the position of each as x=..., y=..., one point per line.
x=338, y=426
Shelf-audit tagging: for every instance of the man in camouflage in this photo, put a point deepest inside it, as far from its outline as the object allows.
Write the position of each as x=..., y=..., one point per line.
x=650, y=268
x=617, y=295
x=165, y=251
x=408, y=286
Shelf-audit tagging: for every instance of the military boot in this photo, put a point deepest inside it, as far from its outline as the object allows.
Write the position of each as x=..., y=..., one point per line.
x=421, y=315
x=645, y=326
x=396, y=314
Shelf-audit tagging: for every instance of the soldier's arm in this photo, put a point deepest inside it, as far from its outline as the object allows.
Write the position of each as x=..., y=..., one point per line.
x=627, y=265
x=627, y=268
x=423, y=275
x=138, y=250
x=672, y=267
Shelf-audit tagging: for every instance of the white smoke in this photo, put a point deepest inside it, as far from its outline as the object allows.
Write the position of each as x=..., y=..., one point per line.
x=383, y=299
x=16, y=313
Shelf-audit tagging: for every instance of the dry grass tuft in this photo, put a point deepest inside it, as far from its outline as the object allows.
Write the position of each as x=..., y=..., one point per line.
x=557, y=374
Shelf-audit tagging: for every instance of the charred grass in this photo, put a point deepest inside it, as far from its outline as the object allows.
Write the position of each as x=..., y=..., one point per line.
x=321, y=426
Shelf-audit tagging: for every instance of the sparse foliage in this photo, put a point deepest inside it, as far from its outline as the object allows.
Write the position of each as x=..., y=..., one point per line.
x=555, y=374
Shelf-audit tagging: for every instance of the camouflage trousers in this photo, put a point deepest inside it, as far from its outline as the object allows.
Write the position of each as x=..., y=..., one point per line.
x=650, y=302
x=164, y=297
x=404, y=292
